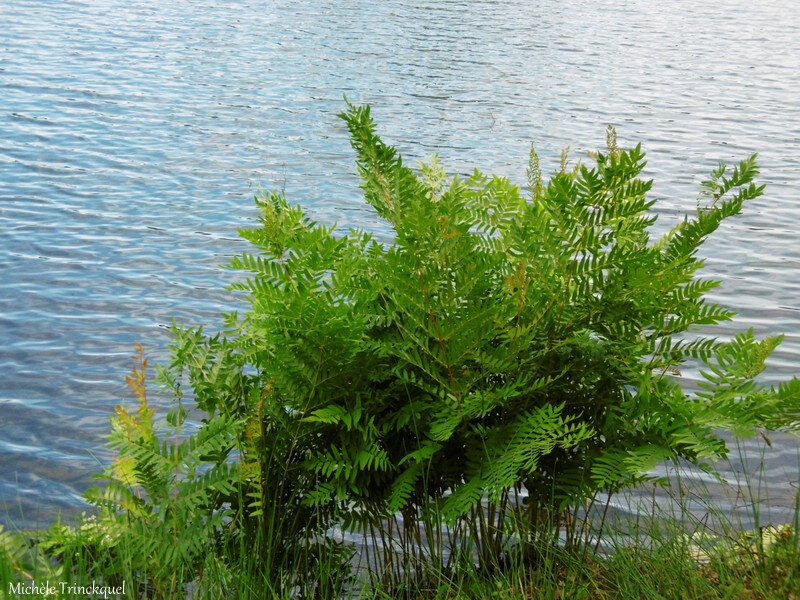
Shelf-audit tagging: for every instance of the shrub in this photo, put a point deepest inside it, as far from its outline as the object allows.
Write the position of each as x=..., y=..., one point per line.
x=502, y=343
x=505, y=359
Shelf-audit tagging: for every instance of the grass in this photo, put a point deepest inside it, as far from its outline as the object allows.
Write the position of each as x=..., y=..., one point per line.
x=657, y=555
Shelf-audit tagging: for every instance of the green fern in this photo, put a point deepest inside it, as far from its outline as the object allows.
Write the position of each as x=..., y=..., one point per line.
x=498, y=343
x=501, y=346
x=163, y=496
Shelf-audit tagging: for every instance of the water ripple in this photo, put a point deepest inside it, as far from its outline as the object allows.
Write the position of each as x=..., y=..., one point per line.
x=133, y=136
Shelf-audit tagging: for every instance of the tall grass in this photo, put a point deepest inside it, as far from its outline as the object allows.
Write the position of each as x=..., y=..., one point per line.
x=669, y=550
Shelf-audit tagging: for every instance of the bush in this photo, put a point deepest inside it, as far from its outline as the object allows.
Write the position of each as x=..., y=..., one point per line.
x=507, y=358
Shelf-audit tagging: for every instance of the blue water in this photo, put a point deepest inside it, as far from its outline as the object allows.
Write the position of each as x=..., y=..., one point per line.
x=134, y=134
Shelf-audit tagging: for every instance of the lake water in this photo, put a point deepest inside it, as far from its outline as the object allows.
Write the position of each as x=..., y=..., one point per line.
x=134, y=134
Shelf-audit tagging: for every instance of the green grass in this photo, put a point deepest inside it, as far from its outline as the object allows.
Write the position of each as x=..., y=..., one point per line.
x=654, y=556
x=663, y=552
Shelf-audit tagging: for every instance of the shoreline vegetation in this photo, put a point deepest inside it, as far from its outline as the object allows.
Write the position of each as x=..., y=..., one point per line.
x=461, y=405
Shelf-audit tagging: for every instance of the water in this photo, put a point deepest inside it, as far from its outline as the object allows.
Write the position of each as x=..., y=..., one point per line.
x=134, y=134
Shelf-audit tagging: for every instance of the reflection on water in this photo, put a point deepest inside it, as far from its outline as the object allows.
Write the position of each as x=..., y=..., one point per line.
x=134, y=134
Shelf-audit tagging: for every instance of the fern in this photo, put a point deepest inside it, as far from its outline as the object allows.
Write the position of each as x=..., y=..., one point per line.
x=501, y=346
x=499, y=342
x=162, y=496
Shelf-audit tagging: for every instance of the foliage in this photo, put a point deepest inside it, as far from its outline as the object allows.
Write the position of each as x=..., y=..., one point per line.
x=164, y=497
x=501, y=344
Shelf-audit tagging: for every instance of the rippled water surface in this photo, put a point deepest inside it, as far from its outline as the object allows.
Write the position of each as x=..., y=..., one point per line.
x=134, y=134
